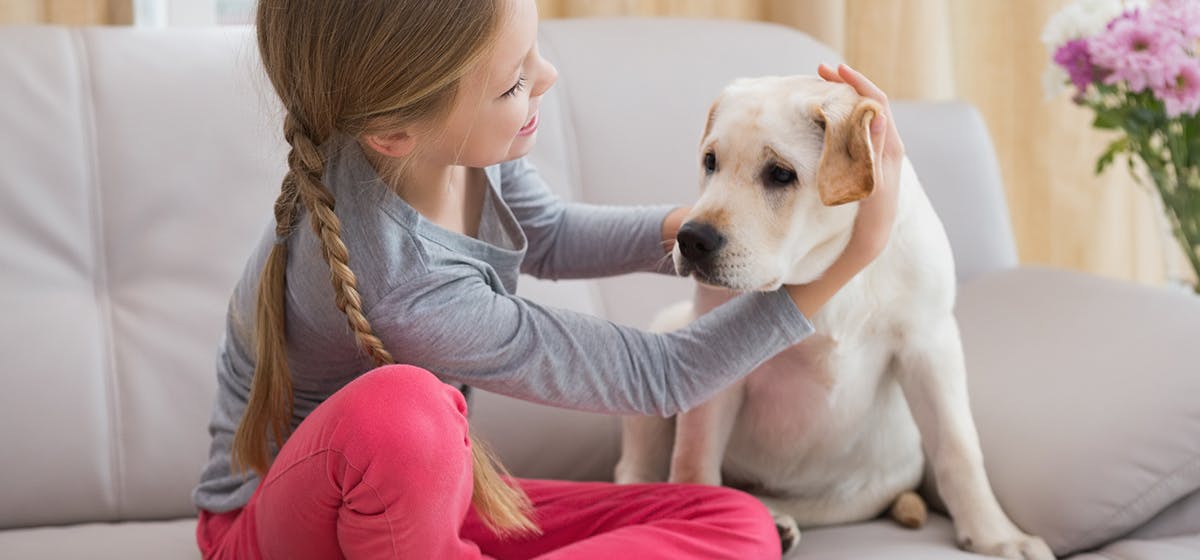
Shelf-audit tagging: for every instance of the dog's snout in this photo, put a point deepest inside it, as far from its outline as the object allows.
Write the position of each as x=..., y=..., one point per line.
x=698, y=241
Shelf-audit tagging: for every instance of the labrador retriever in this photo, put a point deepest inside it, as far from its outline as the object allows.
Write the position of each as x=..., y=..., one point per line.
x=838, y=428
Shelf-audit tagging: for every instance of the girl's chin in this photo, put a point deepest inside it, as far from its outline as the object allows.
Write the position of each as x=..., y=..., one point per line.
x=522, y=146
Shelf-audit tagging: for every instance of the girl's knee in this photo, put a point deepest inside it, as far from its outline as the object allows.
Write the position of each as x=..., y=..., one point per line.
x=404, y=389
x=401, y=406
x=741, y=514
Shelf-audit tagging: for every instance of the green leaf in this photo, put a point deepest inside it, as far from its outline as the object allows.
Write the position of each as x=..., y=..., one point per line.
x=1107, y=119
x=1115, y=147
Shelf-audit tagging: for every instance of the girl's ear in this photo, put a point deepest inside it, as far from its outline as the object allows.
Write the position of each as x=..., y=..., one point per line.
x=393, y=144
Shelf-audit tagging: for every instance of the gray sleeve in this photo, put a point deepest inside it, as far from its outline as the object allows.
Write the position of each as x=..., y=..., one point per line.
x=575, y=240
x=454, y=325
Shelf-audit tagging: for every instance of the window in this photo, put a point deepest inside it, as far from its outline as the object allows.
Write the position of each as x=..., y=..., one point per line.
x=163, y=13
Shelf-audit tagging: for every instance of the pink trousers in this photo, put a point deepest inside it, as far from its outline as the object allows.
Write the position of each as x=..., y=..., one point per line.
x=382, y=469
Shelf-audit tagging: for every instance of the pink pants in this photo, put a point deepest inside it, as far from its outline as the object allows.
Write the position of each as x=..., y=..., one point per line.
x=382, y=469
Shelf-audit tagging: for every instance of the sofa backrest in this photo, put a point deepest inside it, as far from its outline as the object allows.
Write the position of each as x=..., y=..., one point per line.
x=139, y=166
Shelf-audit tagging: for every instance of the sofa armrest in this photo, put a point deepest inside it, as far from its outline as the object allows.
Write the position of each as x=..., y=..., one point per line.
x=1085, y=394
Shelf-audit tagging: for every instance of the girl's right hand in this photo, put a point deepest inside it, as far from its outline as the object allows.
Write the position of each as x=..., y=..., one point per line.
x=876, y=213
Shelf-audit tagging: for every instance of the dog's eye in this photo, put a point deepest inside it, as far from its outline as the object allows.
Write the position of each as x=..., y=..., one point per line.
x=820, y=121
x=710, y=162
x=780, y=176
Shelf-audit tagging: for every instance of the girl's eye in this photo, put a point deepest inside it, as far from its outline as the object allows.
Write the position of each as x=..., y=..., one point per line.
x=517, y=87
x=710, y=162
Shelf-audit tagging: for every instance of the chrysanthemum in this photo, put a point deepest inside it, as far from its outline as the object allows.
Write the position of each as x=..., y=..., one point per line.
x=1074, y=58
x=1133, y=49
x=1181, y=94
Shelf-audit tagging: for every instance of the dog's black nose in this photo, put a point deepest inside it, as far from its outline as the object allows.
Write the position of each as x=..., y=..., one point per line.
x=699, y=242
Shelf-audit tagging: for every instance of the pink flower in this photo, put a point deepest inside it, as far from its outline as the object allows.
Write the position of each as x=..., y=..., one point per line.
x=1074, y=58
x=1181, y=93
x=1133, y=48
x=1181, y=16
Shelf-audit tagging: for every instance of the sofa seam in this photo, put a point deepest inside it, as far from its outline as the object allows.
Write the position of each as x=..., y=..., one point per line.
x=1170, y=478
x=572, y=151
x=100, y=276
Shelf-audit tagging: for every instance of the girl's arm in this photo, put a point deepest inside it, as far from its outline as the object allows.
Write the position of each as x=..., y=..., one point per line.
x=575, y=240
x=453, y=323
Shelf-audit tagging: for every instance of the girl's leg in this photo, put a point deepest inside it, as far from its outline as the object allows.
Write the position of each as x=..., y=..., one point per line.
x=597, y=520
x=381, y=469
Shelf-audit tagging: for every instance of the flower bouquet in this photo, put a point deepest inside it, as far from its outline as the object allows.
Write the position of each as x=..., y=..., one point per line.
x=1135, y=65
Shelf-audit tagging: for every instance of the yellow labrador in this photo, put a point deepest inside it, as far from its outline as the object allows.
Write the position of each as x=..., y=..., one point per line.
x=824, y=432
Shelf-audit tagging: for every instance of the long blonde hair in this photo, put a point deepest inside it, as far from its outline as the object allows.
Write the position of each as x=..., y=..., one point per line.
x=361, y=67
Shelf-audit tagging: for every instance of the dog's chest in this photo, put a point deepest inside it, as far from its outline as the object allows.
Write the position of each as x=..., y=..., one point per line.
x=816, y=392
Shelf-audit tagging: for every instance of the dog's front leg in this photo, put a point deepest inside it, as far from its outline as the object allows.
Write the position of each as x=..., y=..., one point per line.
x=932, y=374
x=701, y=435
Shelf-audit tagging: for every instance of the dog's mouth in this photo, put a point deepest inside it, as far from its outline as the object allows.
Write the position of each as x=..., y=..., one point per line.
x=701, y=273
x=713, y=276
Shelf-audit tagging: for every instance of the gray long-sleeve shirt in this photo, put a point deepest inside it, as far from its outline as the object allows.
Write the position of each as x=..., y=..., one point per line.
x=445, y=302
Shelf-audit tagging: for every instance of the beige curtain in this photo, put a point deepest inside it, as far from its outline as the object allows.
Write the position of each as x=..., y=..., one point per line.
x=67, y=12
x=988, y=53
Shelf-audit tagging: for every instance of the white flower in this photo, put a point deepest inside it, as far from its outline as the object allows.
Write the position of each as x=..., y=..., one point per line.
x=1054, y=81
x=1084, y=18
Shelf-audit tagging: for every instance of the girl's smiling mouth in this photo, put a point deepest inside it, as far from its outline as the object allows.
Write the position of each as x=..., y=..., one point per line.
x=530, y=126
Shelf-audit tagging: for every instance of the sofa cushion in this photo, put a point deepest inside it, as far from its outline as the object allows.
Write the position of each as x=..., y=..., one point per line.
x=165, y=540
x=881, y=540
x=1084, y=393
x=1178, y=548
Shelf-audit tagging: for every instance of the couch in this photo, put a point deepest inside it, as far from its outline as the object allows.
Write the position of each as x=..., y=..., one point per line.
x=138, y=167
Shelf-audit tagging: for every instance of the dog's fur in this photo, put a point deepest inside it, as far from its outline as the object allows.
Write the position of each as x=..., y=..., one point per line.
x=824, y=432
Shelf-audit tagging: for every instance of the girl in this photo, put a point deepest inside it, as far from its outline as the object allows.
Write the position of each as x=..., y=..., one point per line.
x=407, y=121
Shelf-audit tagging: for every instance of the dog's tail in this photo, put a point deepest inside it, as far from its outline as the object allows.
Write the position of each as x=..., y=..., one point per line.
x=909, y=510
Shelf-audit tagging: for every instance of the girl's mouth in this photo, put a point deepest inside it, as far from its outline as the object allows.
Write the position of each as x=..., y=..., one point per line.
x=529, y=127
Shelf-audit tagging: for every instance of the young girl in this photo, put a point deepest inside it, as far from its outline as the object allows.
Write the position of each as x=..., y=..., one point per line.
x=407, y=121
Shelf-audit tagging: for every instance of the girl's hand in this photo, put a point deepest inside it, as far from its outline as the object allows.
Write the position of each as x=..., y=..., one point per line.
x=877, y=212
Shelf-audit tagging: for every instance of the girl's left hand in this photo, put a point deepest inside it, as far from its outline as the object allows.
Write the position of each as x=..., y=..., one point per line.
x=877, y=212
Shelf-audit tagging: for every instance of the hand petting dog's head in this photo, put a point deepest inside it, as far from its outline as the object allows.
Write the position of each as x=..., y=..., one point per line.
x=781, y=159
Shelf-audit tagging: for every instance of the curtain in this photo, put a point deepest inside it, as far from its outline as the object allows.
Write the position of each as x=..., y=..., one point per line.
x=987, y=53
x=67, y=12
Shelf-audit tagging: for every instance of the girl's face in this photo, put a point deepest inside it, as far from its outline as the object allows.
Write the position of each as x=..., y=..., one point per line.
x=495, y=117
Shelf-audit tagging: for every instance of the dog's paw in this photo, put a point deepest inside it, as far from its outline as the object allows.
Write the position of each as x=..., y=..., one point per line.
x=789, y=532
x=1017, y=547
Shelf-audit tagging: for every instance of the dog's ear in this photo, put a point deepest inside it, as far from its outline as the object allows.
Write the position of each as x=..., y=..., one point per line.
x=712, y=114
x=846, y=172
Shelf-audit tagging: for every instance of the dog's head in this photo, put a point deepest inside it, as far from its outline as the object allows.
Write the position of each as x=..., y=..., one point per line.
x=781, y=159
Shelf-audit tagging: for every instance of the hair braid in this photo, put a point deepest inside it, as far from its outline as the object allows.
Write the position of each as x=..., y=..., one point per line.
x=347, y=81
x=325, y=223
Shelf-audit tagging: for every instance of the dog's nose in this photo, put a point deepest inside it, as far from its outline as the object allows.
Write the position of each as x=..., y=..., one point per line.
x=699, y=242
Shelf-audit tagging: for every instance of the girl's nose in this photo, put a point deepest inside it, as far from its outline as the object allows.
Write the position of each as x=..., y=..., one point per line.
x=547, y=75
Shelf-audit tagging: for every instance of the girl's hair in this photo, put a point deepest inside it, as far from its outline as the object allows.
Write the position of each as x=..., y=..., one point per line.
x=362, y=67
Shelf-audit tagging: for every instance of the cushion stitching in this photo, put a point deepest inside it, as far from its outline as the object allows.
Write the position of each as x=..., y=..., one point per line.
x=103, y=296
x=1174, y=475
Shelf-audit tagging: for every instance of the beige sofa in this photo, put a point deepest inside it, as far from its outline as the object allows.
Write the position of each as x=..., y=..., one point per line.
x=137, y=168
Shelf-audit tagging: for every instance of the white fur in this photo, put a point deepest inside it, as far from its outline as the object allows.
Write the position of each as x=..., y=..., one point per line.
x=830, y=430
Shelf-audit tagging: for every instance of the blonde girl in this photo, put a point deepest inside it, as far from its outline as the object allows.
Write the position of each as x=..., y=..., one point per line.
x=403, y=221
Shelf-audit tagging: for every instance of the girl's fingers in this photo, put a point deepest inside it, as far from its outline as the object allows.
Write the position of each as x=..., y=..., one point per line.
x=860, y=83
x=829, y=74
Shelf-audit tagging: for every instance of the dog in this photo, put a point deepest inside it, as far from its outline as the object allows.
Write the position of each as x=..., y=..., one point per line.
x=838, y=428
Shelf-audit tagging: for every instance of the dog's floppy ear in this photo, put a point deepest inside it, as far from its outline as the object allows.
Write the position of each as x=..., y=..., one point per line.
x=846, y=172
x=712, y=114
